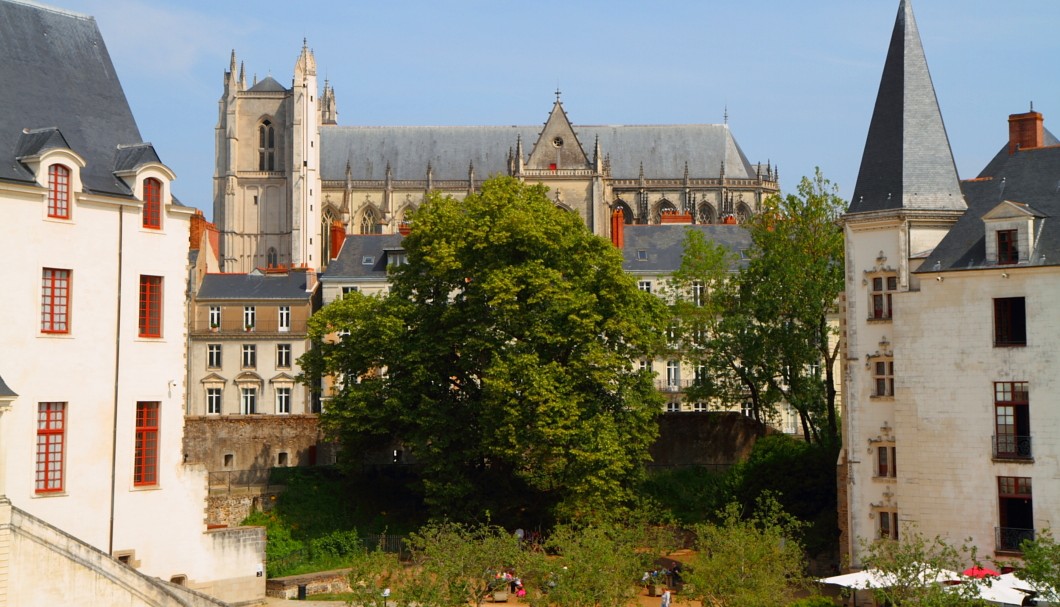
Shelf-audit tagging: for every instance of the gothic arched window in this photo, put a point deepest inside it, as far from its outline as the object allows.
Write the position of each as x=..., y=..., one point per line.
x=368, y=223
x=627, y=213
x=707, y=214
x=665, y=206
x=266, y=147
x=271, y=258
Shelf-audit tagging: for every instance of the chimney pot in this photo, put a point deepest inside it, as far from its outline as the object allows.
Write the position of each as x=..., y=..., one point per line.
x=1025, y=131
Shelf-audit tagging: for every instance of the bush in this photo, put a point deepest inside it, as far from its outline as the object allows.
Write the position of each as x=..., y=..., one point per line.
x=337, y=544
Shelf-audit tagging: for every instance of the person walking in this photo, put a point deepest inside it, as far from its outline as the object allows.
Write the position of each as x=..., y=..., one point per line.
x=665, y=598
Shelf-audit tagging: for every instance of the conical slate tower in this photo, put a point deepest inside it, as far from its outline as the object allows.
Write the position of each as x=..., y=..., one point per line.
x=907, y=163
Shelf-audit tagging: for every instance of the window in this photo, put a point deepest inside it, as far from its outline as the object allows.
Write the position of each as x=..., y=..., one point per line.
x=250, y=356
x=145, y=460
x=1012, y=420
x=699, y=407
x=883, y=376
x=888, y=524
x=642, y=254
x=271, y=258
x=213, y=401
x=1010, y=321
x=348, y=290
x=700, y=375
x=285, y=318
x=886, y=462
x=150, y=306
x=283, y=400
x=249, y=315
x=697, y=293
x=215, y=317
x=266, y=147
x=644, y=364
x=213, y=356
x=248, y=401
x=152, y=203
x=283, y=355
x=55, y=301
x=281, y=459
x=58, y=191
x=747, y=408
x=51, y=433
x=882, y=288
x=1007, y=251
x=644, y=285
x=673, y=374
x=1016, y=512
x=673, y=407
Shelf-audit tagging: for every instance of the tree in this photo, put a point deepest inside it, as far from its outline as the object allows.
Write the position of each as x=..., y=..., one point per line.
x=917, y=569
x=372, y=572
x=1041, y=565
x=752, y=562
x=457, y=564
x=501, y=358
x=763, y=333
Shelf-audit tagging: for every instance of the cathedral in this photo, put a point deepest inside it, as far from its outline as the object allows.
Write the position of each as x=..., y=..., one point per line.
x=290, y=182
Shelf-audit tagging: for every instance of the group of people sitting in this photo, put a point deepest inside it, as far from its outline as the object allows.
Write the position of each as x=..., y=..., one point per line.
x=507, y=578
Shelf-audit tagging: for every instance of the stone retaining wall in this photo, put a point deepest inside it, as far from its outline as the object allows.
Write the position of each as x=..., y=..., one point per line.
x=324, y=582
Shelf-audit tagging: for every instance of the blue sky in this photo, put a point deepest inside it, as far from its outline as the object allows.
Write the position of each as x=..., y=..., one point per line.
x=799, y=78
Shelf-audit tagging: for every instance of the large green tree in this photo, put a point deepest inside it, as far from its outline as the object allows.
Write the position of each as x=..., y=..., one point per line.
x=764, y=334
x=501, y=359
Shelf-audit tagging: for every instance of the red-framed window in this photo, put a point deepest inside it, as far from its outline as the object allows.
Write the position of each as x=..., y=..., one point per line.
x=55, y=301
x=145, y=459
x=58, y=191
x=882, y=288
x=150, y=306
x=152, y=203
x=51, y=435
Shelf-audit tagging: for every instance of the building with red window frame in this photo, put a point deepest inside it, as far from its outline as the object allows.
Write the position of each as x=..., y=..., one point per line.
x=950, y=327
x=94, y=495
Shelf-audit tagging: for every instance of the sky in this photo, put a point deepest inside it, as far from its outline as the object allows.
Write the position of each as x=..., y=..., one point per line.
x=796, y=78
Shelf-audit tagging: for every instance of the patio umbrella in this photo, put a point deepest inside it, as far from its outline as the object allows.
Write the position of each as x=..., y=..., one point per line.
x=979, y=572
x=869, y=578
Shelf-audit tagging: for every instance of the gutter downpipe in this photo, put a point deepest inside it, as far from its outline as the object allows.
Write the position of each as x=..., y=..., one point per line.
x=117, y=367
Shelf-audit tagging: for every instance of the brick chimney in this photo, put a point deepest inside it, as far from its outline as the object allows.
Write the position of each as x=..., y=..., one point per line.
x=1025, y=131
x=338, y=236
x=618, y=227
x=198, y=226
x=672, y=216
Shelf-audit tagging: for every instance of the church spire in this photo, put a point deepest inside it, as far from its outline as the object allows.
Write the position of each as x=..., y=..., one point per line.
x=907, y=162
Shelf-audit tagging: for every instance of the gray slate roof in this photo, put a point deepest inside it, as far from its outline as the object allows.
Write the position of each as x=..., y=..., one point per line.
x=663, y=150
x=56, y=72
x=1029, y=177
x=664, y=244
x=267, y=85
x=5, y=390
x=290, y=287
x=907, y=162
x=350, y=262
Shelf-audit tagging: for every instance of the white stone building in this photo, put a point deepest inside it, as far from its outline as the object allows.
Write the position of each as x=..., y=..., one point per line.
x=94, y=343
x=950, y=328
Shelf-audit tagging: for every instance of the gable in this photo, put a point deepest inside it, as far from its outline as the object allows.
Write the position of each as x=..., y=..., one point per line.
x=557, y=147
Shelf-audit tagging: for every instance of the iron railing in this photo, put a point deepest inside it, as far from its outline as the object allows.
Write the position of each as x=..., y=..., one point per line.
x=1009, y=539
x=1011, y=446
x=229, y=480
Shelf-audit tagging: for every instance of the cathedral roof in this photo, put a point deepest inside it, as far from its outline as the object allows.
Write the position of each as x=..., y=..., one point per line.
x=907, y=162
x=67, y=81
x=255, y=285
x=663, y=150
x=362, y=256
x=268, y=84
x=663, y=245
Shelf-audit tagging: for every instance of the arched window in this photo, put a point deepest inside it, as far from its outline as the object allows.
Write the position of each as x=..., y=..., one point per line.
x=743, y=212
x=665, y=206
x=266, y=147
x=325, y=235
x=368, y=223
x=152, y=203
x=707, y=214
x=58, y=191
x=271, y=258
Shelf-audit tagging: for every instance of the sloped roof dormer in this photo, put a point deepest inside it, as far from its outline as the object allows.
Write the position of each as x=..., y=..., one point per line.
x=907, y=162
x=557, y=147
x=1014, y=219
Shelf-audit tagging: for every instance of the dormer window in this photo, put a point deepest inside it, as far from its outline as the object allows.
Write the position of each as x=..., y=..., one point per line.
x=1007, y=249
x=266, y=147
x=58, y=192
x=152, y=203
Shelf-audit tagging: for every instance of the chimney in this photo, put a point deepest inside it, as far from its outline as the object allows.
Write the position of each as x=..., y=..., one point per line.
x=338, y=236
x=618, y=226
x=198, y=226
x=672, y=216
x=1025, y=131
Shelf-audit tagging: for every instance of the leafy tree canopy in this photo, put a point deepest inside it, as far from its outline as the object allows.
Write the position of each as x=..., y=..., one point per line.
x=501, y=359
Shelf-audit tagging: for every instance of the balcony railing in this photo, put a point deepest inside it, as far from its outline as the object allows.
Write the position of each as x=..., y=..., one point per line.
x=271, y=327
x=1008, y=539
x=1011, y=446
x=674, y=385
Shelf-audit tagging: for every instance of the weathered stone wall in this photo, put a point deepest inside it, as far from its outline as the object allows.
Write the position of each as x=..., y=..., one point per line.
x=232, y=443
x=229, y=509
x=704, y=439
x=325, y=582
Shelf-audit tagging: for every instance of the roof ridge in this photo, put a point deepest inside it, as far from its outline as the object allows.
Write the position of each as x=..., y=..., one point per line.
x=52, y=9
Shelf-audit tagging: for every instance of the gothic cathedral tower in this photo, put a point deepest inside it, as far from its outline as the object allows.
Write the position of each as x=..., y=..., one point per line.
x=266, y=179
